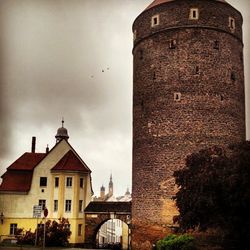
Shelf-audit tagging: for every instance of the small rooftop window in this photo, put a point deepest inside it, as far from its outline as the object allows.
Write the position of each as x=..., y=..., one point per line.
x=194, y=14
x=155, y=20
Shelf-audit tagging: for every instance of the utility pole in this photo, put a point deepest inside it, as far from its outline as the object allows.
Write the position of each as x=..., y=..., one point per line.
x=45, y=212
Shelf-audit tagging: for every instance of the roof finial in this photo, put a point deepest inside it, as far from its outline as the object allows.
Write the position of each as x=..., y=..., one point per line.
x=62, y=133
x=62, y=122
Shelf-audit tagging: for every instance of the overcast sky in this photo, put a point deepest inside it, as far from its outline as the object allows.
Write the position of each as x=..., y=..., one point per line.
x=52, y=57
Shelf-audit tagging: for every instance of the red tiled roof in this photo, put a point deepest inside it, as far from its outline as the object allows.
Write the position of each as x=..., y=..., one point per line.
x=158, y=2
x=70, y=162
x=19, y=174
x=16, y=181
x=27, y=161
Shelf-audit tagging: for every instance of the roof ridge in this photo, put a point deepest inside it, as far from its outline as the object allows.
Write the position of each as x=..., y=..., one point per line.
x=158, y=2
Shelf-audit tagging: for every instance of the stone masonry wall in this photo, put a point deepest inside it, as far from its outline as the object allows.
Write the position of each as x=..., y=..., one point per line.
x=185, y=98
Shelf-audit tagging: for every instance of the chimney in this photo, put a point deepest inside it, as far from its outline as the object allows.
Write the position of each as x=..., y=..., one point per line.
x=33, y=145
x=47, y=149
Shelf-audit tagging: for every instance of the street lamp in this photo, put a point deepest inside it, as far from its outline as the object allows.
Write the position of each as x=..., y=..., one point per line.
x=1, y=217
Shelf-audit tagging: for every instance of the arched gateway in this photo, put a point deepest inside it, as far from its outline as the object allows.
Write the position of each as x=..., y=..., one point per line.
x=97, y=213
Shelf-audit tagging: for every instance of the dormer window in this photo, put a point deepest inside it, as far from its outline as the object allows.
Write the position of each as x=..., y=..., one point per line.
x=194, y=14
x=155, y=20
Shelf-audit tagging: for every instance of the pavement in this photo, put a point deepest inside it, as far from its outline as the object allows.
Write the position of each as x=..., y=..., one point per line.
x=47, y=248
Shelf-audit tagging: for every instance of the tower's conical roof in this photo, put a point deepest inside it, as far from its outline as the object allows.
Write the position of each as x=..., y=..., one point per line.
x=158, y=2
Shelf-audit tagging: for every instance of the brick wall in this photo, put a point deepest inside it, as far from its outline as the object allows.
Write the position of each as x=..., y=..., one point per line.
x=204, y=70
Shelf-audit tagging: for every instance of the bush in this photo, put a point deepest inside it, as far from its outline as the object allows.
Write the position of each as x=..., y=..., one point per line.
x=174, y=242
x=57, y=234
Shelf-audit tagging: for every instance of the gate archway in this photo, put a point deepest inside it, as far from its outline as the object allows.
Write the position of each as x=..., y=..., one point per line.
x=97, y=213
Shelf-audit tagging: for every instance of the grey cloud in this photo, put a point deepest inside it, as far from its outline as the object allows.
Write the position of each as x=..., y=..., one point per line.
x=52, y=54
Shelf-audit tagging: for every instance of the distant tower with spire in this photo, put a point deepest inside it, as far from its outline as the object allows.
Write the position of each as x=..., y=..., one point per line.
x=102, y=192
x=111, y=190
x=62, y=133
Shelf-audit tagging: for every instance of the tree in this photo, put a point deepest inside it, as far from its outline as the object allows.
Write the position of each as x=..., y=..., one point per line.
x=57, y=234
x=214, y=192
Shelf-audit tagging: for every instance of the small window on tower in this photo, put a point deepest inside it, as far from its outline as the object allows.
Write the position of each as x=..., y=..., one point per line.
x=155, y=20
x=177, y=96
x=197, y=70
x=194, y=14
x=135, y=34
x=241, y=56
x=231, y=24
x=154, y=76
x=141, y=54
x=233, y=76
x=172, y=44
x=216, y=44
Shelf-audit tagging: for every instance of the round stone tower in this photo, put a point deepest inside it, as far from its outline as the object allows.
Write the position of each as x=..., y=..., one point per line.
x=188, y=94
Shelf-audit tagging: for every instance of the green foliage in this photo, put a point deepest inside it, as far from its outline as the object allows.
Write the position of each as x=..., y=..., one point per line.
x=214, y=191
x=57, y=234
x=174, y=242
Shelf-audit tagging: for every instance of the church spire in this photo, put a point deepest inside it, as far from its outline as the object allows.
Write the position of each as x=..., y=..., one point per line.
x=111, y=190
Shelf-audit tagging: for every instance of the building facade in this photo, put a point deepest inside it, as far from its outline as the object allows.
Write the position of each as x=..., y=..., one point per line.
x=188, y=94
x=58, y=180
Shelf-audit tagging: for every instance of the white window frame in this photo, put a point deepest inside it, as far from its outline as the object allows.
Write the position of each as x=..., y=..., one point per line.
x=191, y=14
x=155, y=18
x=13, y=228
x=69, y=182
x=56, y=181
x=231, y=23
x=68, y=206
x=42, y=203
x=55, y=205
x=177, y=96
